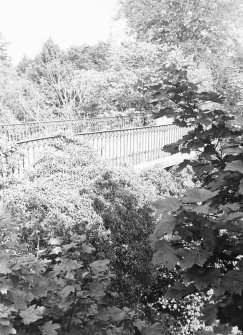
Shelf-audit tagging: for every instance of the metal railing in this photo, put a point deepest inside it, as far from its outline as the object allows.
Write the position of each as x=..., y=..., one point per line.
x=122, y=146
x=31, y=130
x=134, y=146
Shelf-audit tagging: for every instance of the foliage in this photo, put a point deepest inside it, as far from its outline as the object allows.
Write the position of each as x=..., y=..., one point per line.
x=200, y=234
x=72, y=197
x=166, y=183
x=10, y=157
x=4, y=59
x=204, y=30
x=20, y=99
x=86, y=57
x=54, y=77
x=57, y=280
x=55, y=287
x=193, y=24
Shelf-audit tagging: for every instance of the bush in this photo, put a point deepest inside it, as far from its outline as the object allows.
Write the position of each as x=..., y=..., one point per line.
x=168, y=183
x=73, y=208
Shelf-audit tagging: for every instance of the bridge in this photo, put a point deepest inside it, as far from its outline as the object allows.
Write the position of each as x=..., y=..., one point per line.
x=139, y=147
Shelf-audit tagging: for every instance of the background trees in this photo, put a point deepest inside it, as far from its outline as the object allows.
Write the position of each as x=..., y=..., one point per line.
x=205, y=30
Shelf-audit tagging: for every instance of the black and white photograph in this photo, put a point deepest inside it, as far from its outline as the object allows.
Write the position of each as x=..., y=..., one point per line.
x=121, y=167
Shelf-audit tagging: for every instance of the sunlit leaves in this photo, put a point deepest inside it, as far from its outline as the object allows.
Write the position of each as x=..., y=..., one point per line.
x=4, y=263
x=235, y=166
x=167, y=204
x=32, y=314
x=100, y=266
x=49, y=328
x=204, y=239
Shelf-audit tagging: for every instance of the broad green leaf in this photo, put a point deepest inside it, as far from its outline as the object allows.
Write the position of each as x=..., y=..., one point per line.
x=198, y=195
x=167, y=204
x=164, y=254
x=21, y=299
x=101, y=265
x=114, y=313
x=234, y=150
x=67, y=290
x=97, y=290
x=203, y=278
x=4, y=264
x=32, y=314
x=179, y=291
x=165, y=225
x=204, y=209
x=204, y=119
x=232, y=281
x=191, y=257
x=140, y=324
x=49, y=328
x=209, y=314
x=156, y=329
x=235, y=166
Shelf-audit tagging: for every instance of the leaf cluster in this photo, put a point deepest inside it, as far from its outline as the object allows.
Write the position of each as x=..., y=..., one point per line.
x=200, y=233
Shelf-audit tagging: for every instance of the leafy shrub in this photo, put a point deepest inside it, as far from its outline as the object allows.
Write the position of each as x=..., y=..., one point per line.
x=200, y=234
x=72, y=198
x=170, y=183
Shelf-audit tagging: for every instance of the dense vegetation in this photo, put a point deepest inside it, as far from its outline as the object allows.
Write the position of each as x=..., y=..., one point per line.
x=86, y=249
x=108, y=78
x=76, y=254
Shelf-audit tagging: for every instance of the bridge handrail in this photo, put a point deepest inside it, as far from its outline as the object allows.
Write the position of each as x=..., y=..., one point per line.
x=171, y=125
x=72, y=120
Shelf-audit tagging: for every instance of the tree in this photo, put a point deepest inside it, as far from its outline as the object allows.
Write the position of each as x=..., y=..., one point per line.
x=4, y=58
x=203, y=29
x=193, y=24
x=200, y=234
x=55, y=78
x=86, y=57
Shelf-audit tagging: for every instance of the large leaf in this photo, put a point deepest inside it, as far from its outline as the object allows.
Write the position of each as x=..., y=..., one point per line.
x=191, y=257
x=165, y=225
x=155, y=329
x=4, y=264
x=232, y=281
x=101, y=265
x=49, y=328
x=198, y=195
x=203, y=278
x=164, y=254
x=21, y=299
x=235, y=166
x=32, y=314
x=167, y=204
x=210, y=314
x=114, y=313
x=179, y=291
x=140, y=324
